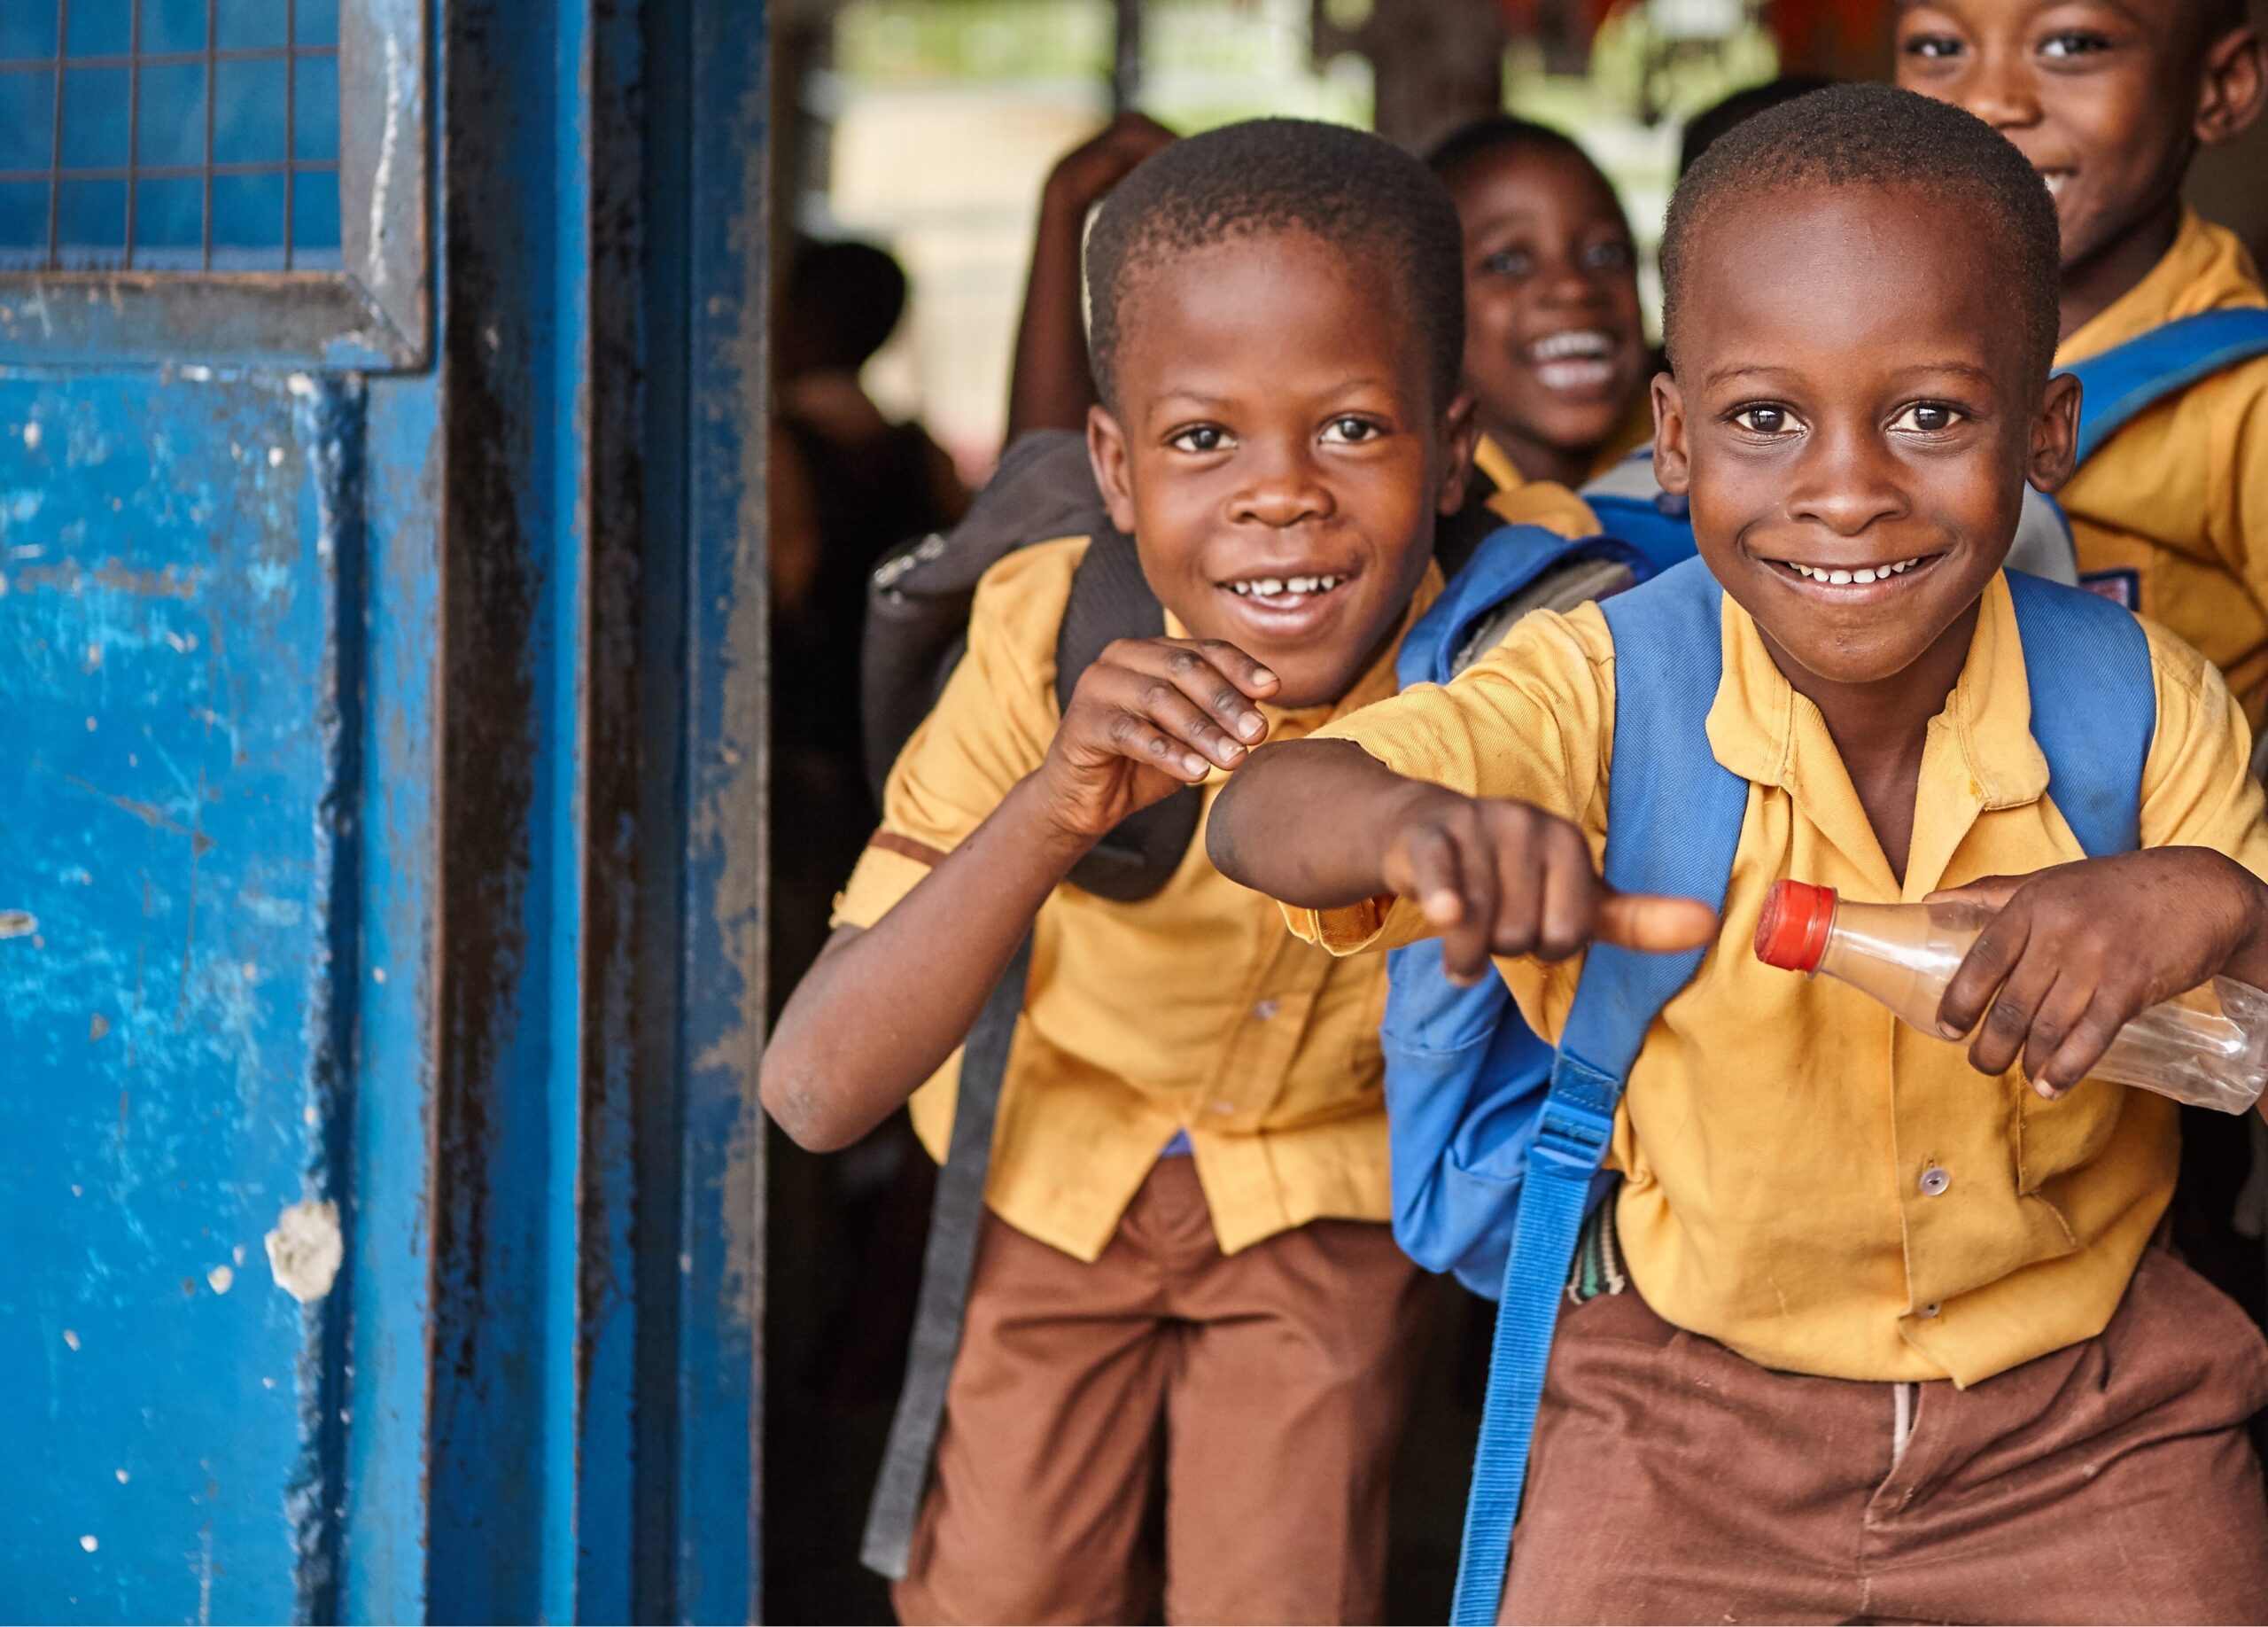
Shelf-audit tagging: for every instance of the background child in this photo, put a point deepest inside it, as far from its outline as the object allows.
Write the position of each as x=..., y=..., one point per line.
x=2047, y=1421
x=2110, y=105
x=1276, y=332
x=1555, y=342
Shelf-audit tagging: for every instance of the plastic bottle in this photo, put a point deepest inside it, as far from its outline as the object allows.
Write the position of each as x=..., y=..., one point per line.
x=2209, y=1046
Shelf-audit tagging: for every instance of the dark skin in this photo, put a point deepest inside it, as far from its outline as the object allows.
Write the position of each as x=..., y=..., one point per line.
x=1547, y=255
x=1827, y=415
x=1049, y=385
x=2110, y=99
x=1275, y=423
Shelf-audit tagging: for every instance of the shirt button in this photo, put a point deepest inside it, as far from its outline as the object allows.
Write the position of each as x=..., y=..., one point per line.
x=1934, y=1181
x=1929, y=1311
x=1223, y=1107
x=1264, y=1010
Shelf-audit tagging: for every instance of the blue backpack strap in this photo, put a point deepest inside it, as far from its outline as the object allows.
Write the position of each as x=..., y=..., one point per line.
x=1673, y=819
x=2093, y=707
x=1506, y=561
x=2128, y=379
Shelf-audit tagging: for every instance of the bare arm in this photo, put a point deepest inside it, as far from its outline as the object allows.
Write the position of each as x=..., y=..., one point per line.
x=882, y=1009
x=1322, y=824
x=1051, y=386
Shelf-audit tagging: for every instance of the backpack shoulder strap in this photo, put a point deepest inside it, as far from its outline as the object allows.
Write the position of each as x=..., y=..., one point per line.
x=1673, y=821
x=1110, y=600
x=2128, y=379
x=2093, y=707
x=1503, y=575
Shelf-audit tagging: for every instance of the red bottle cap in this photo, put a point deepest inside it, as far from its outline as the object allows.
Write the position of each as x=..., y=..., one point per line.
x=1791, y=934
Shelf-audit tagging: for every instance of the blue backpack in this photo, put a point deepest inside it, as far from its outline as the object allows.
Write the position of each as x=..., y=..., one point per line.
x=1473, y=1095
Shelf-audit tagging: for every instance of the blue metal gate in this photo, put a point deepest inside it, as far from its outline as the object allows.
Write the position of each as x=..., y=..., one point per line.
x=380, y=744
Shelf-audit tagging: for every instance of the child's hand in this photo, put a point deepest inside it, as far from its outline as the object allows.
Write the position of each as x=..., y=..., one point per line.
x=1149, y=717
x=1082, y=176
x=1502, y=878
x=2080, y=950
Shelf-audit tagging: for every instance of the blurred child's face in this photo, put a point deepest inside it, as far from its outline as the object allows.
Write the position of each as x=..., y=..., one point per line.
x=1275, y=451
x=1555, y=348
x=1853, y=416
x=2102, y=96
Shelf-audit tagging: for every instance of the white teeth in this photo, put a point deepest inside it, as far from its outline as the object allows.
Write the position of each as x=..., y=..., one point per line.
x=1580, y=342
x=2054, y=180
x=1272, y=587
x=1861, y=577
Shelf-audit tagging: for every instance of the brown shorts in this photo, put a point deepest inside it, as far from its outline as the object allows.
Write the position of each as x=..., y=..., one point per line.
x=1263, y=1390
x=2111, y=1482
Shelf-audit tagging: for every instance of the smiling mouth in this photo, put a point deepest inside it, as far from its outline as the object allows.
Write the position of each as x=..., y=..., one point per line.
x=1288, y=593
x=1855, y=576
x=1579, y=359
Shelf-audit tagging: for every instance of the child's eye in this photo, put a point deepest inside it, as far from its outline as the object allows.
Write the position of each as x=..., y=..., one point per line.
x=1926, y=419
x=1509, y=262
x=1763, y=418
x=1201, y=438
x=1351, y=431
x=1932, y=46
x=2069, y=42
x=1614, y=256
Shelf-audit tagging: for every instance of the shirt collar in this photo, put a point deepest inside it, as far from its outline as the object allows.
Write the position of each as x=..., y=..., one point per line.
x=2207, y=268
x=1980, y=752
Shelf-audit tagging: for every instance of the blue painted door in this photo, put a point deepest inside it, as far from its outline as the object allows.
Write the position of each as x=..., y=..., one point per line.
x=380, y=738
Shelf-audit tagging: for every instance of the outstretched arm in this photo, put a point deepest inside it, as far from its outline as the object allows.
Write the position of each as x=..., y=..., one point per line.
x=1322, y=824
x=883, y=1008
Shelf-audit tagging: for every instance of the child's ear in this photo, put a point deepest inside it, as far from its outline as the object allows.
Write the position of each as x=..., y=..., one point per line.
x=2055, y=446
x=2232, y=86
x=1460, y=432
x=1672, y=467
x=1106, y=451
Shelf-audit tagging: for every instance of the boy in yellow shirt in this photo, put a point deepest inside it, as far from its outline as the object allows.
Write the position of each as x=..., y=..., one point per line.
x=1884, y=1332
x=1184, y=1277
x=2111, y=103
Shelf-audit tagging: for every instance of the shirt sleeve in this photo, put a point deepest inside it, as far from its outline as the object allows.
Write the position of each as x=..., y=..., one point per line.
x=990, y=727
x=2197, y=784
x=1531, y=720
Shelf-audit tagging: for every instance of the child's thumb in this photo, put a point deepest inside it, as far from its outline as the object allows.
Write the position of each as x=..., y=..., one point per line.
x=1658, y=925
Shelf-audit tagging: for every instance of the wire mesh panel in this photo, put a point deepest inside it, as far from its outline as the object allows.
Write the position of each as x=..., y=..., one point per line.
x=170, y=135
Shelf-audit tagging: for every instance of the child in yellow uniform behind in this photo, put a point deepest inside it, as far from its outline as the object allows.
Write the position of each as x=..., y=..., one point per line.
x=2111, y=101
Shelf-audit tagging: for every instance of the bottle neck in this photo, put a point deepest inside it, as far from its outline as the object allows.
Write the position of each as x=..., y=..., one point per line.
x=1902, y=954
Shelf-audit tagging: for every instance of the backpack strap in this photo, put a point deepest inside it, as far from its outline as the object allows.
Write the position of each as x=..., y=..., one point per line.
x=2128, y=379
x=1673, y=821
x=2093, y=707
x=1110, y=600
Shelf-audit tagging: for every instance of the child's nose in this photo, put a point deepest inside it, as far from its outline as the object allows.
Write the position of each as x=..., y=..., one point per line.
x=2001, y=90
x=1844, y=483
x=1287, y=489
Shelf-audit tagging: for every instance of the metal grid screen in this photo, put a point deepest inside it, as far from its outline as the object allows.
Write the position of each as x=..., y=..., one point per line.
x=170, y=135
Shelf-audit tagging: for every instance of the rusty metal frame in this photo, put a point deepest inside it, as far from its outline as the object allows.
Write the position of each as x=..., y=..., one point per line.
x=373, y=315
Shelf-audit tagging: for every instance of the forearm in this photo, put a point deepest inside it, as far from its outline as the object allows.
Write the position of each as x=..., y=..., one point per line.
x=1307, y=822
x=1051, y=386
x=882, y=1009
x=2248, y=961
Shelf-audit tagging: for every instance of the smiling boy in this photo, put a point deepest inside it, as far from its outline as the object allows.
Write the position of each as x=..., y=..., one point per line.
x=1886, y=1334
x=2110, y=100
x=1185, y=1276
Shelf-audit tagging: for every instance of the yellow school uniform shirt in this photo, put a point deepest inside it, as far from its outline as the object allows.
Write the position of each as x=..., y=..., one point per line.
x=1776, y=1130
x=1189, y=1010
x=2174, y=509
x=1516, y=500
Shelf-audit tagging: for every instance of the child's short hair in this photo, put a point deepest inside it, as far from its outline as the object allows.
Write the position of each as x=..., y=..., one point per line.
x=1879, y=136
x=1505, y=133
x=1350, y=191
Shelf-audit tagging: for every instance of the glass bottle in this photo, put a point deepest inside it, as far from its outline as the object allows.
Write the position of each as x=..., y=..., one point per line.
x=2209, y=1047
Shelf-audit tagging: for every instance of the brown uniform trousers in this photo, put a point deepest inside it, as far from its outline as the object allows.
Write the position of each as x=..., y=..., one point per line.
x=2109, y=1482
x=1263, y=1389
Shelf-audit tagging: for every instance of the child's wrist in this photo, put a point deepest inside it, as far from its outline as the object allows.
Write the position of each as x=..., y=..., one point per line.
x=1036, y=815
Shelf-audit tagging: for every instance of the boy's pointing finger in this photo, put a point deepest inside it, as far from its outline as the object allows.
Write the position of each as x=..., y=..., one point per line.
x=1656, y=924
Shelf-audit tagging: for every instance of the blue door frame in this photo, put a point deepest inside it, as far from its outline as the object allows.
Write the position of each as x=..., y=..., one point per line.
x=381, y=680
